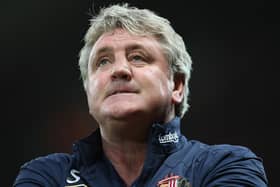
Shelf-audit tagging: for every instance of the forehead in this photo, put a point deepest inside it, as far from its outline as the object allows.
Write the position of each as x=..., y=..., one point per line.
x=120, y=38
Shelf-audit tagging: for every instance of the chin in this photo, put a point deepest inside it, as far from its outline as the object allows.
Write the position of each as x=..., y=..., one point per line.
x=121, y=111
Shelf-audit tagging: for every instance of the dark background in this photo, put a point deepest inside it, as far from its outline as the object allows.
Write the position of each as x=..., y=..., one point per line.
x=233, y=85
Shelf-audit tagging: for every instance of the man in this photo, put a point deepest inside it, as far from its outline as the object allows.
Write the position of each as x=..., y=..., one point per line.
x=135, y=71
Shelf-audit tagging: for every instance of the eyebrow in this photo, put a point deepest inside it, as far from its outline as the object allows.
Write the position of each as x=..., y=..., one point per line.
x=128, y=48
x=136, y=46
x=101, y=50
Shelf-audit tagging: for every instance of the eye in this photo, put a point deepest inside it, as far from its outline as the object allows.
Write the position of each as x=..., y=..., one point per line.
x=102, y=62
x=137, y=58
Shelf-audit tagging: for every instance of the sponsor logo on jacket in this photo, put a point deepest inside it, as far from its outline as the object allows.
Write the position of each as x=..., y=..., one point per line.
x=169, y=138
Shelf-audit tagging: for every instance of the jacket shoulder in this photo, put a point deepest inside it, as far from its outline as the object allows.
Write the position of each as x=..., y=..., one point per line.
x=47, y=170
x=226, y=164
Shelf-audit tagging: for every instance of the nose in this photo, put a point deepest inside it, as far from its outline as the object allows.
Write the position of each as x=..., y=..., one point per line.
x=121, y=71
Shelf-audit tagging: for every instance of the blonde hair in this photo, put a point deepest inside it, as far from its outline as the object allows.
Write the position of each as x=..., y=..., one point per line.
x=141, y=22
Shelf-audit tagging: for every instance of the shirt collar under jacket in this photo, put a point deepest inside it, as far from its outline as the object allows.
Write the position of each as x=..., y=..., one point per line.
x=164, y=139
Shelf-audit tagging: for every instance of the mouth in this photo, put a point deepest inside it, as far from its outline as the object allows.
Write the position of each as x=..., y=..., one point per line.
x=121, y=92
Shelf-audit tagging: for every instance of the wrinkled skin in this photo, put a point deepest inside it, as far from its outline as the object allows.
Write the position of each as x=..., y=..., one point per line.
x=129, y=79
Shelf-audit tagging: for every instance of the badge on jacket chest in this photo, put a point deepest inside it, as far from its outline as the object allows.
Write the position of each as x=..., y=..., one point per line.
x=174, y=181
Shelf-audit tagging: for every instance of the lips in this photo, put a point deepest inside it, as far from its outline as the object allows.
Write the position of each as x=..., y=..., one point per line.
x=120, y=89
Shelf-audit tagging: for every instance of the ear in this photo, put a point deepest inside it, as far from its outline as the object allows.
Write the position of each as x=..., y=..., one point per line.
x=178, y=90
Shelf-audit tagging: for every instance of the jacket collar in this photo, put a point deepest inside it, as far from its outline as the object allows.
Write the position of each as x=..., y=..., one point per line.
x=166, y=138
x=163, y=140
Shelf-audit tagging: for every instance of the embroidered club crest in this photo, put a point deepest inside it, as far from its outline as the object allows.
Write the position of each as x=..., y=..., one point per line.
x=174, y=181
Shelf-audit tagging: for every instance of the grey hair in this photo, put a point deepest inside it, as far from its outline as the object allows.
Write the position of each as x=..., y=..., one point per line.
x=141, y=22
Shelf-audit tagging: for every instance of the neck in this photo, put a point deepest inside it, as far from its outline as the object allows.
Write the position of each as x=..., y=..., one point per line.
x=125, y=144
x=127, y=158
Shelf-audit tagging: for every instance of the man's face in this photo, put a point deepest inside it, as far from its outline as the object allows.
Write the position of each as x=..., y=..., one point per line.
x=129, y=76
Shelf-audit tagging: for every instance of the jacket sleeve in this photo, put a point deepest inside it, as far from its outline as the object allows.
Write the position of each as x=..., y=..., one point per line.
x=234, y=166
x=43, y=171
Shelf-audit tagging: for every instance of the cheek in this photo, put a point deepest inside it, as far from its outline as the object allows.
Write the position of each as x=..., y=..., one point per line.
x=159, y=82
x=165, y=88
x=96, y=85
